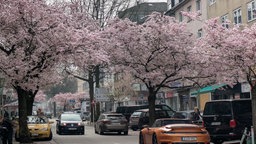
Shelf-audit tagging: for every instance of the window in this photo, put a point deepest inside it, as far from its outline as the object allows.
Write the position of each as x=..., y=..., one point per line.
x=173, y=3
x=189, y=10
x=251, y=10
x=237, y=16
x=199, y=33
x=212, y=2
x=180, y=17
x=198, y=5
x=224, y=21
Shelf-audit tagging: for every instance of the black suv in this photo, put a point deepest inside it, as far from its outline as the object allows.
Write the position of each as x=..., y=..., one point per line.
x=226, y=119
x=141, y=117
x=128, y=110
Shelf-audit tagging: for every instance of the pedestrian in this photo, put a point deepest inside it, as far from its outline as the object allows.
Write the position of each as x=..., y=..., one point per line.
x=7, y=123
x=196, y=114
x=40, y=112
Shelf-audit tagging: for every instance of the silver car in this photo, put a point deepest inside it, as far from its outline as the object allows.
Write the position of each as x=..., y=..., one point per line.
x=111, y=122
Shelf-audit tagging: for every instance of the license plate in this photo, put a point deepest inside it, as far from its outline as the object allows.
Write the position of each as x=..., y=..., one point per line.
x=72, y=128
x=34, y=134
x=215, y=123
x=188, y=138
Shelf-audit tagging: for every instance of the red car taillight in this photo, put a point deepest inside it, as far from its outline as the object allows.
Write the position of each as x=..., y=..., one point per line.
x=232, y=123
x=106, y=122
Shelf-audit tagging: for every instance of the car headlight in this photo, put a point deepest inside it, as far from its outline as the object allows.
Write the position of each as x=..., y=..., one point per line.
x=63, y=124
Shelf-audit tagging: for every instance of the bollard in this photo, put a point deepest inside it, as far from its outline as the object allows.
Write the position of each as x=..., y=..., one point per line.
x=252, y=134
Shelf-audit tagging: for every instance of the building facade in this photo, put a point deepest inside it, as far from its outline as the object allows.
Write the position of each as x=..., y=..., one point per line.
x=229, y=12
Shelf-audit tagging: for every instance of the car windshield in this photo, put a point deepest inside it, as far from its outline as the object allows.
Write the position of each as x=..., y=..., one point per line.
x=37, y=120
x=163, y=122
x=70, y=117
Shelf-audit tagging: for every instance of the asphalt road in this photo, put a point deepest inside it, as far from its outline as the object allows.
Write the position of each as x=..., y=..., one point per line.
x=91, y=138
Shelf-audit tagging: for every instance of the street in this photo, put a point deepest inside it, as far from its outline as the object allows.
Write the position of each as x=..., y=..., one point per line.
x=91, y=138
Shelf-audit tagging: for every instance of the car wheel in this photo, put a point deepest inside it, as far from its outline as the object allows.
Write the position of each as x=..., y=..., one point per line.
x=95, y=131
x=50, y=136
x=82, y=133
x=101, y=131
x=141, y=139
x=16, y=137
x=154, y=139
x=125, y=132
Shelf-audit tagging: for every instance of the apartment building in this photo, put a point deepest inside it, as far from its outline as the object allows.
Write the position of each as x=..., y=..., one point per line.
x=234, y=11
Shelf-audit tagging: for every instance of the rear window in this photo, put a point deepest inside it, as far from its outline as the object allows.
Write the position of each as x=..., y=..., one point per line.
x=120, y=109
x=242, y=107
x=218, y=108
x=136, y=114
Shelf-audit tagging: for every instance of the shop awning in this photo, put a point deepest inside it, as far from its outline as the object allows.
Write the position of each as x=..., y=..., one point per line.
x=207, y=89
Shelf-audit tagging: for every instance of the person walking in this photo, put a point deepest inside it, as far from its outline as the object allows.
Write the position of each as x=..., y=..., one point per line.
x=7, y=123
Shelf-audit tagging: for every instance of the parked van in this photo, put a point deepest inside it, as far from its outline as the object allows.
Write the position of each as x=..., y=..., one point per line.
x=226, y=119
x=128, y=110
x=141, y=117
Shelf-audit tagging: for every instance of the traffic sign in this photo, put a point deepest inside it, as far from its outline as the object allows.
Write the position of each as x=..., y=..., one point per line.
x=101, y=94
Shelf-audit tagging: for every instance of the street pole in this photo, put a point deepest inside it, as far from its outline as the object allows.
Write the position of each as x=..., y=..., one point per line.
x=1, y=94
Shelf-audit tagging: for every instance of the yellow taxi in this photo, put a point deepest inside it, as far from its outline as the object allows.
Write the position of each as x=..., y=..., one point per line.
x=39, y=128
x=172, y=130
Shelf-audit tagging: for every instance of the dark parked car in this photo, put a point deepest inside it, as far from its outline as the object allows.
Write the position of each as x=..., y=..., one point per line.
x=69, y=123
x=128, y=110
x=226, y=119
x=111, y=122
x=141, y=117
x=48, y=115
x=86, y=116
x=190, y=115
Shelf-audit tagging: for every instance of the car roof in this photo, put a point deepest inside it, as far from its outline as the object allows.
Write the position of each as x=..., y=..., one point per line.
x=146, y=110
x=228, y=100
x=112, y=113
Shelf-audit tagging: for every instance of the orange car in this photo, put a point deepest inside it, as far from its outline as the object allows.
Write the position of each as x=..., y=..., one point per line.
x=171, y=130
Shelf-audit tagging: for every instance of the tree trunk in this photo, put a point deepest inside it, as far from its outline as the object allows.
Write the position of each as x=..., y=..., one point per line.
x=97, y=76
x=91, y=93
x=151, y=102
x=23, y=107
x=253, y=95
x=30, y=101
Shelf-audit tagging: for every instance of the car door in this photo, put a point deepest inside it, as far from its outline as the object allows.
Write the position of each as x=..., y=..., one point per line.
x=150, y=131
x=58, y=123
x=98, y=122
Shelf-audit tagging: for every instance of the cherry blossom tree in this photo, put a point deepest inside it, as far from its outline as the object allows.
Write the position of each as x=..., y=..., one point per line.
x=229, y=55
x=40, y=97
x=62, y=99
x=157, y=52
x=92, y=69
x=34, y=40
